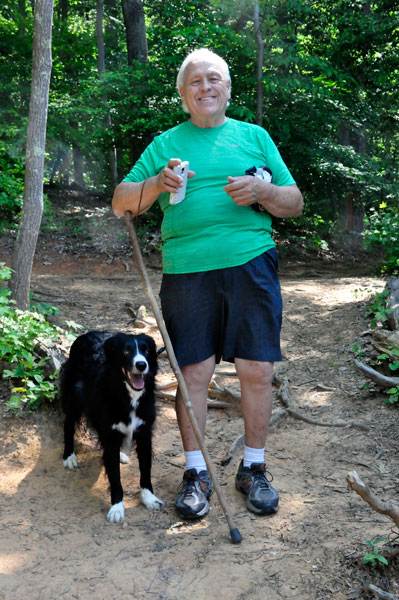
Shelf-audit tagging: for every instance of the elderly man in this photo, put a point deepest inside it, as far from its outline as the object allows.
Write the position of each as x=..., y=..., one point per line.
x=220, y=291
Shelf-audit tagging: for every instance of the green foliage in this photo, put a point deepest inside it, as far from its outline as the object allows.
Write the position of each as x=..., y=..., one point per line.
x=331, y=94
x=21, y=332
x=378, y=312
x=377, y=309
x=382, y=231
x=11, y=188
x=375, y=557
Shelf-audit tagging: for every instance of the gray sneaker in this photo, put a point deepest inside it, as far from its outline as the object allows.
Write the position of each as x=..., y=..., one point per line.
x=196, y=489
x=262, y=498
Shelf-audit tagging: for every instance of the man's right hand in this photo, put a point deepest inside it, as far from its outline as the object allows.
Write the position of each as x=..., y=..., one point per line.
x=168, y=180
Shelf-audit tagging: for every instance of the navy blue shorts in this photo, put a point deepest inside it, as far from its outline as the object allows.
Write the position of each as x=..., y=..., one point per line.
x=230, y=313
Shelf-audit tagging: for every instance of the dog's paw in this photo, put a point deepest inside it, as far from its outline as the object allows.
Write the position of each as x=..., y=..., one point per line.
x=116, y=513
x=151, y=501
x=123, y=458
x=71, y=462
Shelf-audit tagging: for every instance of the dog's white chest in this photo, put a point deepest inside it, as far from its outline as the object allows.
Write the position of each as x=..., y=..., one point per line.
x=128, y=430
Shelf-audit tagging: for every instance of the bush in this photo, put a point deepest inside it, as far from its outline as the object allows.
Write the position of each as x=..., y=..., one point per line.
x=20, y=333
x=11, y=188
x=382, y=231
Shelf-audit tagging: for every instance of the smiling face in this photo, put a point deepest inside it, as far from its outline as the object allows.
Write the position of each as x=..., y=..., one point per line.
x=205, y=92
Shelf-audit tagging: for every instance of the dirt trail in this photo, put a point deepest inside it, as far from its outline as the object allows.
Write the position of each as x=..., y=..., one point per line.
x=55, y=541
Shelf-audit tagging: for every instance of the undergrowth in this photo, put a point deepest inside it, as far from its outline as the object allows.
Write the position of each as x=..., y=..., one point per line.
x=20, y=334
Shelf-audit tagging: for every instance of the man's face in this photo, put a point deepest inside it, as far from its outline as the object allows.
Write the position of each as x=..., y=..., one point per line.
x=205, y=92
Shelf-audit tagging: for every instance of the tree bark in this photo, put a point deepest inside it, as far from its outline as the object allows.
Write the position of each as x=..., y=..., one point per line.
x=34, y=162
x=78, y=168
x=22, y=15
x=259, y=66
x=393, y=303
x=136, y=36
x=101, y=69
x=63, y=10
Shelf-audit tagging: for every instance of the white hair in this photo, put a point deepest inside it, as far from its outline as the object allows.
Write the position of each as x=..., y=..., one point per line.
x=203, y=54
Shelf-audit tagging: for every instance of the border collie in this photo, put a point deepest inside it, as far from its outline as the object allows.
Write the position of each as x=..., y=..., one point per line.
x=109, y=379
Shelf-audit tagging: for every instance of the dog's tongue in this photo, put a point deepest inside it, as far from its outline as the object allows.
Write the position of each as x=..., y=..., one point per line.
x=137, y=381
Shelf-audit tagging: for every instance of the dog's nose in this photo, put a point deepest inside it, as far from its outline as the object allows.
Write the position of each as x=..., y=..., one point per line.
x=140, y=365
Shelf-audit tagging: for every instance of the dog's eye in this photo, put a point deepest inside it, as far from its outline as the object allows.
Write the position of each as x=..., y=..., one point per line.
x=144, y=350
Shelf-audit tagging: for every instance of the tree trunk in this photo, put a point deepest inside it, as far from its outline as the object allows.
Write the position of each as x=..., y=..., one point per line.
x=393, y=303
x=22, y=14
x=78, y=170
x=63, y=10
x=351, y=210
x=101, y=69
x=112, y=10
x=259, y=66
x=100, y=37
x=34, y=162
x=136, y=36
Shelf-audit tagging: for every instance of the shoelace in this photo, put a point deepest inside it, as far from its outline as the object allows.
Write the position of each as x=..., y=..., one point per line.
x=190, y=485
x=260, y=478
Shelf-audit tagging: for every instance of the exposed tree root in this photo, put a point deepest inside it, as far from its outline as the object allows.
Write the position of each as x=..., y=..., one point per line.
x=378, y=593
x=285, y=398
x=378, y=378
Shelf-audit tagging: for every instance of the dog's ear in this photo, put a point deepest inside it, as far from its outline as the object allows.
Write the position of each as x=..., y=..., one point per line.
x=111, y=346
x=151, y=343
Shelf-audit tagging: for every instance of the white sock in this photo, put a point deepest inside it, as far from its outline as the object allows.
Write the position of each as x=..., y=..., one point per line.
x=253, y=455
x=195, y=460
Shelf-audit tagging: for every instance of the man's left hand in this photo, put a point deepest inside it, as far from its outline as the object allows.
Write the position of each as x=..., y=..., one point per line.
x=244, y=190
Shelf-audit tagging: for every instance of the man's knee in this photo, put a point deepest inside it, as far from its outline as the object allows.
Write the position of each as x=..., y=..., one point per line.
x=199, y=374
x=254, y=372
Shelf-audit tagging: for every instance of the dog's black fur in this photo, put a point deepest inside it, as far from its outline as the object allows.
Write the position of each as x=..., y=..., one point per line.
x=110, y=379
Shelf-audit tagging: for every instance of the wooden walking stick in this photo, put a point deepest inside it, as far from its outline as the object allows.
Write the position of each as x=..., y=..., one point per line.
x=234, y=533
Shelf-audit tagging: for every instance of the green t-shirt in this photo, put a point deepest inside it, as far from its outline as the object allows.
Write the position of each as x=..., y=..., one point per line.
x=207, y=230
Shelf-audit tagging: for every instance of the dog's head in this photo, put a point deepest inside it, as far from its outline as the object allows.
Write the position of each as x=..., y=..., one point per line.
x=134, y=355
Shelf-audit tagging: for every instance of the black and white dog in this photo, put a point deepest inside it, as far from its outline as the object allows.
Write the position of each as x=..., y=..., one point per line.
x=109, y=378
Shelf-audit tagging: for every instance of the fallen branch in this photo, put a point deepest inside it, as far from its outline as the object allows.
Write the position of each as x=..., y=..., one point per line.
x=226, y=372
x=210, y=404
x=217, y=391
x=384, y=508
x=381, y=380
x=239, y=441
x=168, y=385
x=369, y=587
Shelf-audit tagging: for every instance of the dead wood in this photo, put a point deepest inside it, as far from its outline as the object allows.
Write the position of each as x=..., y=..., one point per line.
x=217, y=391
x=378, y=378
x=218, y=404
x=170, y=397
x=385, y=341
x=239, y=441
x=384, y=508
x=226, y=372
x=393, y=303
x=168, y=385
x=378, y=592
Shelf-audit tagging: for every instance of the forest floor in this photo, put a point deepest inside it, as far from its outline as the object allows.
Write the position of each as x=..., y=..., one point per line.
x=55, y=541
